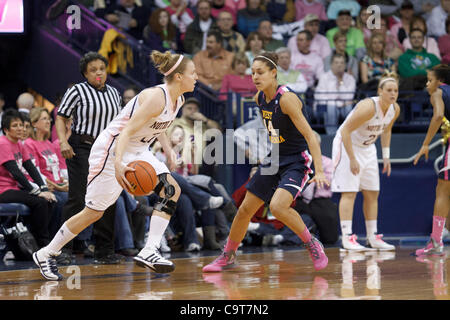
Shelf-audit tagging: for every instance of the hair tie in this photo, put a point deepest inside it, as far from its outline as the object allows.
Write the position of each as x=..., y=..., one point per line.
x=174, y=66
x=266, y=59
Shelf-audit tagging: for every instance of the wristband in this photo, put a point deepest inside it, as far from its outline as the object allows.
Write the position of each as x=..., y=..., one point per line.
x=385, y=152
x=43, y=188
x=36, y=190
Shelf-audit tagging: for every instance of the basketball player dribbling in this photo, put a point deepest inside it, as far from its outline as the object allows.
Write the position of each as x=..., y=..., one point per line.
x=127, y=138
x=283, y=115
x=355, y=161
x=439, y=89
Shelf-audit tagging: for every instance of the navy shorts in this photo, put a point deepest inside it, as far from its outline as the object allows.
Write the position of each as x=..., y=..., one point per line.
x=444, y=168
x=291, y=176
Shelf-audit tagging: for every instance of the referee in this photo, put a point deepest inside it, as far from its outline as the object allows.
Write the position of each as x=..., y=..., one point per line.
x=92, y=105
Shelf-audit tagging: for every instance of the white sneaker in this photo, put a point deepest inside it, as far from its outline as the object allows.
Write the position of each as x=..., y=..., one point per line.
x=46, y=261
x=375, y=242
x=192, y=247
x=151, y=258
x=215, y=202
x=352, y=256
x=349, y=243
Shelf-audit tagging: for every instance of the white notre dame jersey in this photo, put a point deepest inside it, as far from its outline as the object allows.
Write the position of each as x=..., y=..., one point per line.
x=153, y=129
x=368, y=133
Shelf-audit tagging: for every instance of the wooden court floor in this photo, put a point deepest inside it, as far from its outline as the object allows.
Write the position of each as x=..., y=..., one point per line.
x=272, y=275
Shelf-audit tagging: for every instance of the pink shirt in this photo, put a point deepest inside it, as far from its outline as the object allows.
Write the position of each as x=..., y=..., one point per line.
x=234, y=83
x=303, y=7
x=46, y=159
x=10, y=151
x=311, y=66
x=236, y=5
x=319, y=45
x=444, y=47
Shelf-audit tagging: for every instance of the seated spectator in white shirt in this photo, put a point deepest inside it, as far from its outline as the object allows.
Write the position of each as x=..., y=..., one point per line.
x=286, y=76
x=336, y=89
x=340, y=45
x=436, y=20
x=319, y=43
x=308, y=62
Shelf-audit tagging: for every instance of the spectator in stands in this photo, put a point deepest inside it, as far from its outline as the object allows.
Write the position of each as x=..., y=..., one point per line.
x=319, y=43
x=289, y=77
x=190, y=113
x=361, y=23
x=423, y=7
x=416, y=61
x=444, y=45
x=375, y=62
x=393, y=49
x=305, y=7
x=213, y=63
x=128, y=94
x=253, y=47
x=218, y=6
x=127, y=15
x=401, y=28
x=309, y=63
x=238, y=81
x=50, y=162
x=265, y=32
x=195, y=38
x=14, y=186
x=181, y=16
x=25, y=102
x=336, y=89
x=355, y=37
x=335, y=7
x=236, y=5
x=430, y=44
x=280, y=11
x=248, y=19
x=233, y=41
x=436, y=20
x=160, y=33
x=340, y=44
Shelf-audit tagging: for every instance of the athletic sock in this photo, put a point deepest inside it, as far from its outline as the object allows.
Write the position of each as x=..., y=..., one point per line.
x=61, y=238
x=305, y=235
x=346, y=227
x=231, y=245
x=438, y=228
x=371, y=228
x=156, y=231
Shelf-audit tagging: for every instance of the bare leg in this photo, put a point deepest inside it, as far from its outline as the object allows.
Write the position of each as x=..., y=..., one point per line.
x=442, y=202
x=280, y=206
x=370, y=204
x=346, y=205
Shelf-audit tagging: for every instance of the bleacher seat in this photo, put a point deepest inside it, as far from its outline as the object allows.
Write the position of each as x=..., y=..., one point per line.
x=12, y=209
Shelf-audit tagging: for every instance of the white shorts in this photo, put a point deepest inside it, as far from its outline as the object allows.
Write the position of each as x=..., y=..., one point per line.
x=102, y=188
x=344, y=180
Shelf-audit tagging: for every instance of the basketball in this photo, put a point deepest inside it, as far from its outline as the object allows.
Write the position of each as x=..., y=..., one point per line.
x=143, y=179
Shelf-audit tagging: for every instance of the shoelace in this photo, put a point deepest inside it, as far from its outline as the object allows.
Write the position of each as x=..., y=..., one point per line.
x=378, y=236
x=52, y=265
x=353, y=238
x=313, y=250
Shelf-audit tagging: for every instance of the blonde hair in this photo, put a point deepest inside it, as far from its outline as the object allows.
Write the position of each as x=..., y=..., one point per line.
x=388, y=76
x=370, y=42
x=165, y=61
x=35, y=114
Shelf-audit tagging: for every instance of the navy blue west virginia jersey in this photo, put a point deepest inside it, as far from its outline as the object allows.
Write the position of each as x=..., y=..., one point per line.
x=294, y=160
x=444, y=172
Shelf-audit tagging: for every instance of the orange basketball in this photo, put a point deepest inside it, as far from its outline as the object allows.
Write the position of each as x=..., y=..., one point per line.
x=143, y=179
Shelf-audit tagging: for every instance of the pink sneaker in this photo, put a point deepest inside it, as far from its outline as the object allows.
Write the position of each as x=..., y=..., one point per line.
x=225, y=261
x=432, y=248
x=316, y=253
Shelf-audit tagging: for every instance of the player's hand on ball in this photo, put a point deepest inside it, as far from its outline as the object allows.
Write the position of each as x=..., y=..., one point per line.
x=121, y=169
x=354, y=166
x=320, y=180
x=423, y=151
x=387, y=167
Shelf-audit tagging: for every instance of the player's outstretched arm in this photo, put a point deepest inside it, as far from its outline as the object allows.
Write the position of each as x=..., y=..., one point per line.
x=435, y=123
x=386, y=142
x=292, y=106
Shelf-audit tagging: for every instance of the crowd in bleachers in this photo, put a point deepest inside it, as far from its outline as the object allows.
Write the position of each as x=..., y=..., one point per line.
x=330, y=49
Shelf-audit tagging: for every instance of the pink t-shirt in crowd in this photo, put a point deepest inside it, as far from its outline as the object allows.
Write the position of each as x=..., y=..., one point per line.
x=235, y=83
x=46, y=159
x=311, y=66
x=319, y=45
x=10, y=151
x=303, y=7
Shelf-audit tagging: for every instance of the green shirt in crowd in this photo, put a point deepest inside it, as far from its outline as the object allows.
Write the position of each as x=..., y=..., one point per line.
x=355, y=39
x=414, y=63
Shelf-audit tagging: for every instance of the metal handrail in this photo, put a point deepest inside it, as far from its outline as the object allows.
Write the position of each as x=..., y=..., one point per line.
x=411, y=159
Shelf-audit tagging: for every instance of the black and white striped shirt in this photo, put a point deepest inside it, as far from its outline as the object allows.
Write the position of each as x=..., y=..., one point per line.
x=92, y=109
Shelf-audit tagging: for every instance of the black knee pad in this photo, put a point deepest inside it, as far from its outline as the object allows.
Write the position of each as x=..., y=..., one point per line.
x=169, y=189
x=166, y=205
